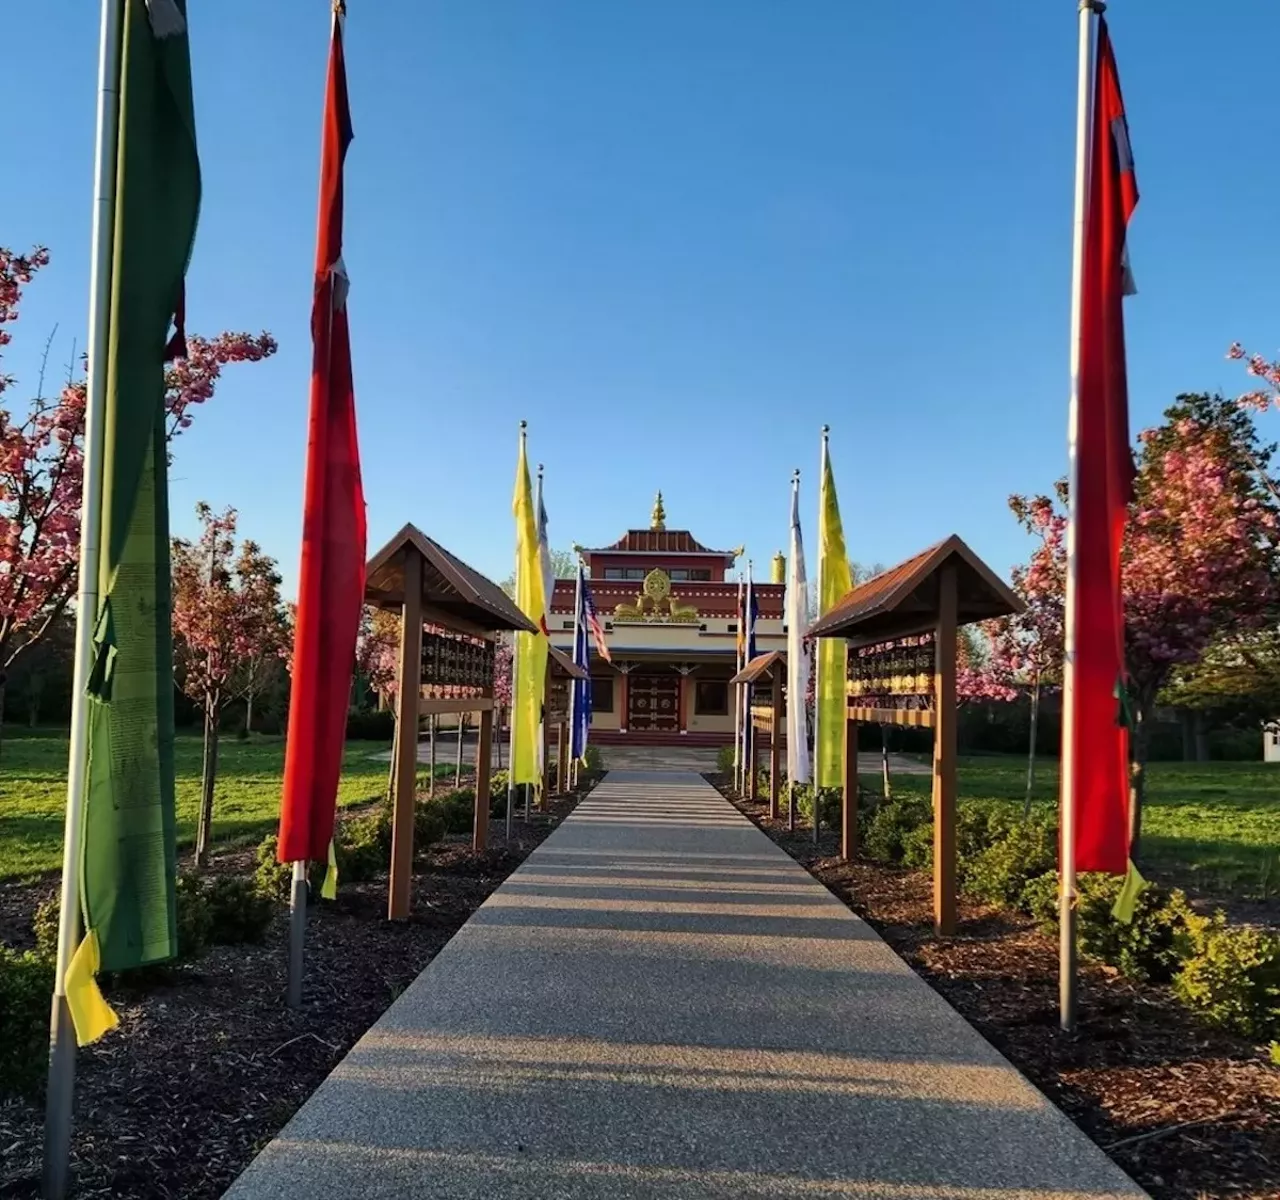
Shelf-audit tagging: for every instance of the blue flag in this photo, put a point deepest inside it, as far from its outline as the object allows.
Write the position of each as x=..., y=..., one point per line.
x=581, y=716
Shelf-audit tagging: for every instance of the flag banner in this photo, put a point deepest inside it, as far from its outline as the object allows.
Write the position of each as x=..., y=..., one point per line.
x=593, y=620
x=530, y=648
x=581, y=716
x=1104, y=487
x=127, y=853
x=798, y=767
x=331, y=577
x=837, y=582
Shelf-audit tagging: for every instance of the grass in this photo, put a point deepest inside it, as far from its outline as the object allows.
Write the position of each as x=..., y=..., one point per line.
x=1214, y=827
x=246, y=807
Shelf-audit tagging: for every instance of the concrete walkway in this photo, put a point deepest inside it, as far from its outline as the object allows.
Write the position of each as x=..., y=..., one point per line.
x=661, y=1003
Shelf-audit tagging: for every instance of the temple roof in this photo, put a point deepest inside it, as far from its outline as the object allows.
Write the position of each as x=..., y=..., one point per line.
x=661, y=541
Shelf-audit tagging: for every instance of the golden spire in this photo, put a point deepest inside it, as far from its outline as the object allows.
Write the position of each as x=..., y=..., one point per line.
x=658, y=519
x=779, y=572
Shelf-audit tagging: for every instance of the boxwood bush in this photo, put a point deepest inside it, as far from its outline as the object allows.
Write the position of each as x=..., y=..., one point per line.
x=1231, y=979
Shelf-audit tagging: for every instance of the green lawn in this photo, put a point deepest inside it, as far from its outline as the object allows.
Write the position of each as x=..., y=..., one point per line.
x=1214, y=826
x=33, y=782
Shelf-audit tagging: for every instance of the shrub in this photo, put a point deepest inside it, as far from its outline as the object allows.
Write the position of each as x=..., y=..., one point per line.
x=889, y=825
x=195, y=918
x=430, y=824
x=275, y=879
x=239, y=910
x=829, y=800
x=26, y=984
x=917, y=848
x=1151, y=947
x=724, y=761
x=457, y=811
x=362, y=847
x=593, y=760
x=999, y=873
x=1040, y=899
x=498, y=784
x=44, y=924
x=1232, y=978
x=371, y=726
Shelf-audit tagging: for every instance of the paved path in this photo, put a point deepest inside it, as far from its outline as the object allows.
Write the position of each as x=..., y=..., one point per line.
x=661, y=1003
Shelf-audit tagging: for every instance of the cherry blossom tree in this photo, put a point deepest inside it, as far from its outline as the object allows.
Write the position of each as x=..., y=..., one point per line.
x=226, y=611
x=1200, y=556
x=41, y=468
x=267, y=627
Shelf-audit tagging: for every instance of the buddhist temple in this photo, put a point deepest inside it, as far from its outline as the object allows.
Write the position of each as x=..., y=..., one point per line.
x=669, y=606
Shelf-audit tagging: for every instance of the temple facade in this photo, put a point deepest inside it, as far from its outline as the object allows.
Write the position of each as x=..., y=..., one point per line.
x=669, y=606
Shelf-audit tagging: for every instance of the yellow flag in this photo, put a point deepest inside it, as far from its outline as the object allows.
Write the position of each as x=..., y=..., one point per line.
x=1127, y=900
x=90, y=1013
x=530, y=648
x=837, y=582
x=329, y=889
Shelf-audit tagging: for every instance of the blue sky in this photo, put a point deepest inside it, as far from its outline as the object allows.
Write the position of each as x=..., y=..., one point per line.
x=676, y=237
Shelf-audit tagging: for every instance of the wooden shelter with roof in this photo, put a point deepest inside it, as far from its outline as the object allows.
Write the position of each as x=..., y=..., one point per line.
x=901, y=632
x=450, y=614
x=766, y=719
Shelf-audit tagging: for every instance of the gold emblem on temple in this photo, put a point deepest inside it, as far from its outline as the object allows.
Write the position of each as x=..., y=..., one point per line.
x=655, y=603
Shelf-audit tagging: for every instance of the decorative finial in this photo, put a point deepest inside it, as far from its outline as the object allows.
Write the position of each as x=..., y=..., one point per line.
x=778, y=573
x=658, y=518
x=339, y=8
x=523, y=426
x=540, y=468
x=826, y=431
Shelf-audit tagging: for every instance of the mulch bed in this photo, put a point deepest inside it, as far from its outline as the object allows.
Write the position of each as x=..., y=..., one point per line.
x=1188, y=1113
x=210, y=1065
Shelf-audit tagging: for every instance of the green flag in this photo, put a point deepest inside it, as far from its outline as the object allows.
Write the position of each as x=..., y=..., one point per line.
x=127, y=852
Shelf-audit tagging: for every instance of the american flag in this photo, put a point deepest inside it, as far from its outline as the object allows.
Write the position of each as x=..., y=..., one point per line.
x=593, y=621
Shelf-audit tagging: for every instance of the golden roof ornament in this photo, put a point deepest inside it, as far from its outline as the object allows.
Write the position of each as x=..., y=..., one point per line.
x=779, y=572
x=658, y=518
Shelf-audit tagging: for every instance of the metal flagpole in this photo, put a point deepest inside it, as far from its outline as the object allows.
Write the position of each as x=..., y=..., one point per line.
x=817, y=660
x=794, y=727
x=62, y=1038
x=1067, y=895
x=515, y=694
x=541, y=755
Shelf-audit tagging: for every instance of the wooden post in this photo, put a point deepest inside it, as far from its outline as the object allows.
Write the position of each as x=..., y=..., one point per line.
x=562, y=758
x=546, y=744
x=484, y=757
x=944, y=757
x=849, y=793
x=407, y=700
x=753, y=757
x=775, y=745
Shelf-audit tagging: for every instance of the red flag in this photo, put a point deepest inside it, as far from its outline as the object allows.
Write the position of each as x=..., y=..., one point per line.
x=331, y=579
x=1104, y=487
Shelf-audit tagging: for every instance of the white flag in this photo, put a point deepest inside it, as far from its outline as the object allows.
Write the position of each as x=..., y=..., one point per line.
x=798, y=770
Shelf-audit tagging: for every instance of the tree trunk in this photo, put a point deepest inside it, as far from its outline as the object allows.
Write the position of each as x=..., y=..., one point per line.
x=4, y=682
x=497, y=733
x=208, y=775
x=1137, y=777
x=1202, y=738
x=434, y=725
x=248, y=712
x=1031, y=748
x=462, y=728
x=884, y=760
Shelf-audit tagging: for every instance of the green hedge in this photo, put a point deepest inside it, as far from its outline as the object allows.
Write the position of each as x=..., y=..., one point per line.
x=26, y=985
x=1228, y=975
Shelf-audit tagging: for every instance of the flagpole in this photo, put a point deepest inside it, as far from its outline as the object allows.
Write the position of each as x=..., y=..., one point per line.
x=515, y=694
x=747, y=765
x=817, y=661
x=1067, y=965
x=62, y=1040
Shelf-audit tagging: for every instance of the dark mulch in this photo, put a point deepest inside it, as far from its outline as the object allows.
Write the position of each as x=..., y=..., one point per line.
x=209, y=1065
x=1190, y=1114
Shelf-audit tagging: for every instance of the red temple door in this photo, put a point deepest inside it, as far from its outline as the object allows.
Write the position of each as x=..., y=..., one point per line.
x=653, y=703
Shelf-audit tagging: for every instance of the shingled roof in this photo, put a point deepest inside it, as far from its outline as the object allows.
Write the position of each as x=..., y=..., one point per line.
x=903, y=600
x=760, y=667
x=661, y=541
x=453, y=594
